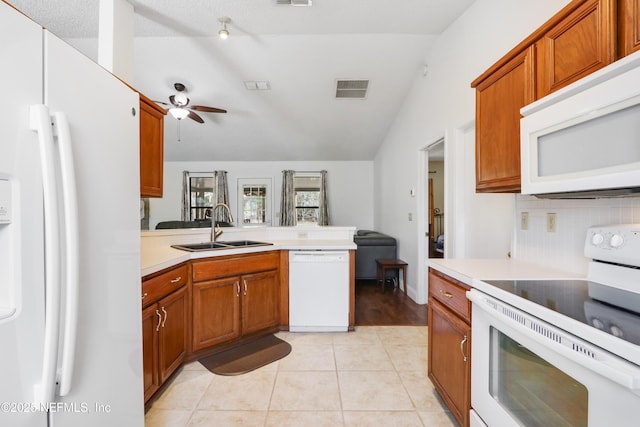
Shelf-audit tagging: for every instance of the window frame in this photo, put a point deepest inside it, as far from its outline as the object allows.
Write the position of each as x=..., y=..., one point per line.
x=267, y=183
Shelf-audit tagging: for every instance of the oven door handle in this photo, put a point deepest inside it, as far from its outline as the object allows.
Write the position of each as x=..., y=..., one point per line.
x=564, y=344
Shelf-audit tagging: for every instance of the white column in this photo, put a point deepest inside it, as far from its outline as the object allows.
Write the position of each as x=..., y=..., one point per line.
x=115, y=38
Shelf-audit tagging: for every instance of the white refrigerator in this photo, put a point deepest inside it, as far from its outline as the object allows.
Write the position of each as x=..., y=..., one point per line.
x=70, y=312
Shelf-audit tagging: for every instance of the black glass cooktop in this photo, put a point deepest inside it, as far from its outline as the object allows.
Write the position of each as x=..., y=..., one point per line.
x=573, y=298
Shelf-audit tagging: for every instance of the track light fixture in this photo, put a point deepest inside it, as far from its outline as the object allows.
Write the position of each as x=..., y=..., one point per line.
x=224, y=32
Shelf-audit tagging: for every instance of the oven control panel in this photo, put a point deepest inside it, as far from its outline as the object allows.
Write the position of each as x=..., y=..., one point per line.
x=614, y=243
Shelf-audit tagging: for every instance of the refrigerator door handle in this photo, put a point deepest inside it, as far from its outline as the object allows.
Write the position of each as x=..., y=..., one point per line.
x=71, y=252
x=40, y=122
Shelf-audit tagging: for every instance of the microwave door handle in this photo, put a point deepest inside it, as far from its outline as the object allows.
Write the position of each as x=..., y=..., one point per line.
x=71, y=252
x=40, y=122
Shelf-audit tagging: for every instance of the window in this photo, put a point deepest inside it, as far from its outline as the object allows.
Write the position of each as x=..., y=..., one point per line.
x=307, y=189
x=200, y=197
x=254, y=201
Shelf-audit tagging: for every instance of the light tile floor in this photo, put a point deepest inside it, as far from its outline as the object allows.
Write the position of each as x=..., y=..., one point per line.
x=375, y=376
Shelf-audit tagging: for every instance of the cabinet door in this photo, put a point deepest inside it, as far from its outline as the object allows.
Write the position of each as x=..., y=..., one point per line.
x=151, y=148
x=578, y=45
x=449, y=364
x=173, y=332
x=629, y=26
x=151, y=320
x=498, y=101
x=260, y=301
x=216, y=312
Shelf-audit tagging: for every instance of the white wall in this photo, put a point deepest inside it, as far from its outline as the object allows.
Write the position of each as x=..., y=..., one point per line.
x=440, y=104
x=350, y=187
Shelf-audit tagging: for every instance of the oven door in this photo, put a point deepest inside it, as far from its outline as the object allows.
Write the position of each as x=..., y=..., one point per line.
x=525, y=372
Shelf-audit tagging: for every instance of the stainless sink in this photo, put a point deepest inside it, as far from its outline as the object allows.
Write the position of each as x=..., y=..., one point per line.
x=210, y=246
x=240, y=243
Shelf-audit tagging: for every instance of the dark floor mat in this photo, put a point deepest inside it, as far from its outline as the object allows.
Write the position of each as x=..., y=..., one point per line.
x=247, y=357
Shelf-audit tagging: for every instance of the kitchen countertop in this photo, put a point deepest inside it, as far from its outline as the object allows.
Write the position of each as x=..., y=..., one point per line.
x=156, y=257
x=468, y=270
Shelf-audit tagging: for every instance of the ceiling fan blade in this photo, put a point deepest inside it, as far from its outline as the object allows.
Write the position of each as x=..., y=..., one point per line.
x=205, y=109
x=195, y=117
x=160, y=102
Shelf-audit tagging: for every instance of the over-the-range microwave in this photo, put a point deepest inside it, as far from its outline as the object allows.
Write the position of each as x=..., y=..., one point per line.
x=584, y=140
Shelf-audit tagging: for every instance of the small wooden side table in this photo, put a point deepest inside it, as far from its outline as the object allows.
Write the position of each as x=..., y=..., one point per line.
x=391, y=264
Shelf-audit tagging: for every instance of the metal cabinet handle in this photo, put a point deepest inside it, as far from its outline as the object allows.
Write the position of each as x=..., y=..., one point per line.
x=159, y=320
x=462, y=343
x=445, y=294
x=245, y=287
x=238, y=287
x=177, y=279
x=145, y=295
x=165, y=318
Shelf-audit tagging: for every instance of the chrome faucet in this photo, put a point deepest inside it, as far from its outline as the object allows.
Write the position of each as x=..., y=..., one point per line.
x=216, y=231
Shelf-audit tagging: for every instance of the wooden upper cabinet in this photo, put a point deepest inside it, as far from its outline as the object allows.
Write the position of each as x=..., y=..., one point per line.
x=629, y=22
x=499, y=98
x=579, y=44
x=151, y=147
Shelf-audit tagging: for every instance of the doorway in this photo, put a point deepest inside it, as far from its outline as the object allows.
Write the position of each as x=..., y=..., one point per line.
x=435, y=209
x=431, y=204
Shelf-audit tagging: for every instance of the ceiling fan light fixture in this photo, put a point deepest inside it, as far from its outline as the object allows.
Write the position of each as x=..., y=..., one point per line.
x=224, y=32
x=181, y=99
x=179, y=113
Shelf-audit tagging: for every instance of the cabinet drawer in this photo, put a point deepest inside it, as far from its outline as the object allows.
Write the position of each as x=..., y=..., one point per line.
x=450, y=294
x=225, y=266
x=163, y=284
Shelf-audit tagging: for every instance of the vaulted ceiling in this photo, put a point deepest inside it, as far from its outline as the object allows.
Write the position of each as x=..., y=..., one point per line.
x=301, y=51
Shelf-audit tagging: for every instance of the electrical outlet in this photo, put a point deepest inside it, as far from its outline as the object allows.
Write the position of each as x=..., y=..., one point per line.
x=410, y=216
x=524, y=220
x=551, y=222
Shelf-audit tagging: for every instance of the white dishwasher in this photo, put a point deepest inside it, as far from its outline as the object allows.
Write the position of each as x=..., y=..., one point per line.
x=318, y=291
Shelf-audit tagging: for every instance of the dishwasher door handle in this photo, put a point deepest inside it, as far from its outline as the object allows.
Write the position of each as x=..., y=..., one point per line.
x=318, y=256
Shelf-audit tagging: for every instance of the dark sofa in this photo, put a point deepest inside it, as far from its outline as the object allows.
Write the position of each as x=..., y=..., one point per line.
x=204, y=223
x=373, y=245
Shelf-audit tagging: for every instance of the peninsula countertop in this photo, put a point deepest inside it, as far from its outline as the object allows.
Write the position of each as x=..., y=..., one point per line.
x=157, y=253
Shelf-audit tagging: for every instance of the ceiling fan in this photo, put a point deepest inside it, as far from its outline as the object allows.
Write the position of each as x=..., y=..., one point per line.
x=179, y=105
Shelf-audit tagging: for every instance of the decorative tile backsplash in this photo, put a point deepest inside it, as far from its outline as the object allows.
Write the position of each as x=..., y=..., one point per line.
x=563, y=248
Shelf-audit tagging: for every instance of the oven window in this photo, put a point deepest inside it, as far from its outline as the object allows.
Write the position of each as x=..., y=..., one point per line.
x=532, y=390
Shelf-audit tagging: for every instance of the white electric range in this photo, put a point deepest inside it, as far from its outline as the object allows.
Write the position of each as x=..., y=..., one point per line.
x=561, y=352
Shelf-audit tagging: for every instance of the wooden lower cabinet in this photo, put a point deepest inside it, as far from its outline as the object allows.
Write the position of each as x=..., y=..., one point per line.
x=216, y=312
x=235, y=296
x=449, y=354
x=164, y=339
x=165, y=326
x=260, y=301
x=173, y=332
x=150, y=351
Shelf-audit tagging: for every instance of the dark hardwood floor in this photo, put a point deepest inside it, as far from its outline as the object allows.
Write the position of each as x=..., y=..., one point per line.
x=375, y=307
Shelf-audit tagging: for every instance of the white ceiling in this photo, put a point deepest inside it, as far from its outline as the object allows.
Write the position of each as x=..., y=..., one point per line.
x=301, y=51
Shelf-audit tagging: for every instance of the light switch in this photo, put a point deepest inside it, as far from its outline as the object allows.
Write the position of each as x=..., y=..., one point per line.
x=524, y=220
x=551, y=222
x=5, y=201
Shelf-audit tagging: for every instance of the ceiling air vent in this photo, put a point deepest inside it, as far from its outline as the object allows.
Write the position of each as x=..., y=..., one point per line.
x=352, y=88
x=294, y=2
